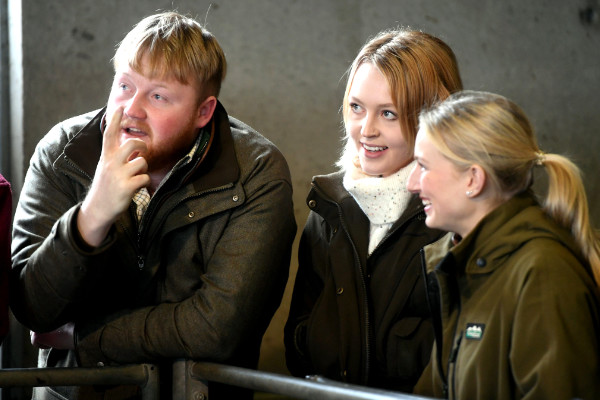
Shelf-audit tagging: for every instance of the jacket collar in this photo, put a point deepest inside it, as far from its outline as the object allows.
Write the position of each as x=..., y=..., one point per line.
x=217, y=164
x=499, y=234
x=331, y=187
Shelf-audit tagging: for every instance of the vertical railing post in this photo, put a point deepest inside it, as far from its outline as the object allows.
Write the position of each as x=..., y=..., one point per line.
x=186, y=387
x=151, y=388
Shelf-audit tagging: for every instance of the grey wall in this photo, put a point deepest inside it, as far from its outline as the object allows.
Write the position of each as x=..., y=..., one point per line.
x=287, y=61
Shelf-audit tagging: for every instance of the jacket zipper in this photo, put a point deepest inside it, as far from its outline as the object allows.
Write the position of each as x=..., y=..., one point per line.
x=436, y=320
x=451, y=381
x=452, y=364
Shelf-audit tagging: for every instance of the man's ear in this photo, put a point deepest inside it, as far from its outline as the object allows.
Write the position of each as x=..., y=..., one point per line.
x=477, y=180
x=206, y=110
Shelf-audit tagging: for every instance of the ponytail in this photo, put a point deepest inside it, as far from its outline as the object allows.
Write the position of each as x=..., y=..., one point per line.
x=566, y=203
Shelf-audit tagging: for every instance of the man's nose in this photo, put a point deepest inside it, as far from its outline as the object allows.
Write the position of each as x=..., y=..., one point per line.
x=135, y=107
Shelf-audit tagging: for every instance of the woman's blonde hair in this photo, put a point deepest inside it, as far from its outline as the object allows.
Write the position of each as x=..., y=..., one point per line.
x=178, y=47
x=491, y=131
x=420, y=70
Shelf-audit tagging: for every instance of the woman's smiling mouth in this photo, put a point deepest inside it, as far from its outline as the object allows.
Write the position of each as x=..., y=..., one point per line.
x=373, y=148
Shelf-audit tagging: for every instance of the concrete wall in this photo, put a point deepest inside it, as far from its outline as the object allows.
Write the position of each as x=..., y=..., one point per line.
x=287, y=61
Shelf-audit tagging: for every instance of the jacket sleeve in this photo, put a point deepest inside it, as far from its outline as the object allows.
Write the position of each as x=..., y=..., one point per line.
x=555, y=338
x=50, y=273
x=240, y=290
x=308, y=287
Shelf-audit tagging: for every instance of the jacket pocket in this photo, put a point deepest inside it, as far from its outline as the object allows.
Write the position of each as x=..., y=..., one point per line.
x=409, y=347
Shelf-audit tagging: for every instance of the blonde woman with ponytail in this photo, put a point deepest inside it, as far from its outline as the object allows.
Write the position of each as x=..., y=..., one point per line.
x=514, y=286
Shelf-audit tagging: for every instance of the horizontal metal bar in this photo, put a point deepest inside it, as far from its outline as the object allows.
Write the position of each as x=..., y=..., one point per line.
x=138, y=374
x=309, y=389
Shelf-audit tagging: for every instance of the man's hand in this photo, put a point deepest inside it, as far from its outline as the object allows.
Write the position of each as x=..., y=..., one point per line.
x=61, y=338
x=121, y=171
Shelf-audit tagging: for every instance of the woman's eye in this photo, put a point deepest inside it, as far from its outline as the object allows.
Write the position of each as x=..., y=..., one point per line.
x=389, y=114
x=355, y=107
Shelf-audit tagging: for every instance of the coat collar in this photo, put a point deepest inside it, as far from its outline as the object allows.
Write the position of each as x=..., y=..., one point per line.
x=498, y=235
x=330, y=189
x=331, y=186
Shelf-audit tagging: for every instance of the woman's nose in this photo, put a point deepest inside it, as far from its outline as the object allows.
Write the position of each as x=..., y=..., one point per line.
x=369, y=127
x=412, y=184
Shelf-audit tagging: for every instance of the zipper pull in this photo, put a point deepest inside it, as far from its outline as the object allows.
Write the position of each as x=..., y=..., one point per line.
x=141, y=262
x=454, y=352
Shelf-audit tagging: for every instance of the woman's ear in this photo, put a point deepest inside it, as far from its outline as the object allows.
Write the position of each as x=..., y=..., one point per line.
x=206, y=109
x=477, y=179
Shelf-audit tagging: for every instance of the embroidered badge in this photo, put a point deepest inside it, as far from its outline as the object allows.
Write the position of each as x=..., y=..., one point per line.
x=474, y=331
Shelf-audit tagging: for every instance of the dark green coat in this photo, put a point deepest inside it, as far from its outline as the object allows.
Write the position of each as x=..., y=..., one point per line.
x=517, y=314
x=354, y=318
x=199, y=278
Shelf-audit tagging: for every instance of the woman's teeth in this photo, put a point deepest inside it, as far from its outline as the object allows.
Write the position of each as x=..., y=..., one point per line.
x=374, y=148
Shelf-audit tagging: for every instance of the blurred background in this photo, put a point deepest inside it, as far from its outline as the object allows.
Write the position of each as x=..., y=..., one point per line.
x=287, y=63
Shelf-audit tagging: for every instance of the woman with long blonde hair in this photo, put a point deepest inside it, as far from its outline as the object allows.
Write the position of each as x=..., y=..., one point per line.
x=514, y=287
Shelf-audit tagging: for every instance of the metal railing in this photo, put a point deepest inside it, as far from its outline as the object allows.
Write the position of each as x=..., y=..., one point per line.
x=143, y=375
x=313, y=387
x=191, y=381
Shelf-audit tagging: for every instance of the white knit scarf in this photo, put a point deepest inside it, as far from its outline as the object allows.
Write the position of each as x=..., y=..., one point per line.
x=382, y=200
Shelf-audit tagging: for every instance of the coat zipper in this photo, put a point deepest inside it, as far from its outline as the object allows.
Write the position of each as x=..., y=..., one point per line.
x=436, y=320
x=451, y=381
x=452, y=364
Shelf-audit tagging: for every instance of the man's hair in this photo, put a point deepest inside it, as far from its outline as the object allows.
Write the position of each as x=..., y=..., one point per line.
x=420, y=70
x=175, y=46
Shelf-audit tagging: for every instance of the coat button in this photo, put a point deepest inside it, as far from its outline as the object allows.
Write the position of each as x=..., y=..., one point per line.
x=312, y=203
x=481, y=262
x=340, y=290
x=235, y=198
x=191, y=214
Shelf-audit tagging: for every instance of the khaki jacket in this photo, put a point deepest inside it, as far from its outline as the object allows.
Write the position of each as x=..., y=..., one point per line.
x=517, y=312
